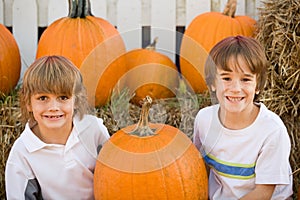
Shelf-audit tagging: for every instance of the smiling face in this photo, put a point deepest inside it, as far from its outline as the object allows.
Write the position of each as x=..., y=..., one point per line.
x=52, y=112
x=235, y=89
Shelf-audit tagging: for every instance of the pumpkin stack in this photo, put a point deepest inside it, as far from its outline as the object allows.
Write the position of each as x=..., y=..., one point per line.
x=150, y=161
x=10, y=61
x=203, y=33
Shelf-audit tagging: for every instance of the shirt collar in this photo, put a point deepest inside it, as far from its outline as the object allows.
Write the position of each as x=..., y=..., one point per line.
x=33, y=143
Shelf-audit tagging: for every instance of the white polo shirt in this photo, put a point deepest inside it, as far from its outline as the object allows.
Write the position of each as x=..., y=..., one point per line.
x=62, y=171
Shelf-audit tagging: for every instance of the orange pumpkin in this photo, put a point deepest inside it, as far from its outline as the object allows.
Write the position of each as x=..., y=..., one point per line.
x=150, y=161
x=78, y=36
x=203, y=33
x=10, y=61
x=149, y=73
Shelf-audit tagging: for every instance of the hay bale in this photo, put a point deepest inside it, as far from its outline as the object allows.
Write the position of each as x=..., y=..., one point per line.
x=10, y=130
x=278, y=31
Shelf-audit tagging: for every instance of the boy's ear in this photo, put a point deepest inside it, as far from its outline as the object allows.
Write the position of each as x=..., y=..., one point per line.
x=212, y=87
x=29, y=108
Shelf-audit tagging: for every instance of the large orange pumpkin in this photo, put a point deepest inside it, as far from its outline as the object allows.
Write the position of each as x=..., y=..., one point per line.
x=149, y=73
x=76, y=36
x=149, y=162
x=203, y=33
x=10, y=61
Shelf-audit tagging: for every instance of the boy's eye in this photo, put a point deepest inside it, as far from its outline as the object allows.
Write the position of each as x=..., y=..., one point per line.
x=63, y=98
x=42, y=98
x=246, y=79
x=226, y=78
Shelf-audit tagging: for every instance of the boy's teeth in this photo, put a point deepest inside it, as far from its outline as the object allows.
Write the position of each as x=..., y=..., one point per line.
x=235, y=98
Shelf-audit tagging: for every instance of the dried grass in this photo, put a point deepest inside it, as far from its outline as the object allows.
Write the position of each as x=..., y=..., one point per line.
x=10, y=129
x=279, y=32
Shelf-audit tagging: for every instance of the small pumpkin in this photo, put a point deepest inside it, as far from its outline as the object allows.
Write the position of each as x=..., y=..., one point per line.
x=203, y=33
x=149, y=73
x=150, y=161
x=10, y=61
x=76, y=35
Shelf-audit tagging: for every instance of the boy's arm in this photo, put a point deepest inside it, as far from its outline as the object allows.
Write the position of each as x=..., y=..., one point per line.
x=261, y=192
x=18, y=186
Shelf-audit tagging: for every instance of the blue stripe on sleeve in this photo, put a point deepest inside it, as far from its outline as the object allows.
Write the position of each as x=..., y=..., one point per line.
x=238, y=171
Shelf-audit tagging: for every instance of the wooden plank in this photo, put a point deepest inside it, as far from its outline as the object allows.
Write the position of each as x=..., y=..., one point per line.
x=8, y=12
x=195, y=8
x=99, y=8
x=1, y=12
x=25, y=30
x=163, y=26
x=146, y=12
x=241, y=7
x=129, y=22
x=180, y=13
x=57, y=9
x=43, y=12
x=111, y=14
x=258, y=4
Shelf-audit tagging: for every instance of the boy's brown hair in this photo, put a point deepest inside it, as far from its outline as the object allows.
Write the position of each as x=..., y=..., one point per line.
x=247, y=48
x=55, y=75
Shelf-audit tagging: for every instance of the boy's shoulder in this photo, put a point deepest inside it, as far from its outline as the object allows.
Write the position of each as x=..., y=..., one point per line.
x=206, y=114
x=269, y=117
x=208, y=110
x=88, y=123
x=86, y=120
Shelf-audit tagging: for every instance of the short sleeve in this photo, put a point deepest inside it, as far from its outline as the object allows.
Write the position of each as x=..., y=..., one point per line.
x=104, y=135
x=19, y=185
x=196, y=134
x=272, y=165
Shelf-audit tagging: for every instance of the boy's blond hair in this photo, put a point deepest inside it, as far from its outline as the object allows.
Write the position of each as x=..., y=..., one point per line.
x=55, y=75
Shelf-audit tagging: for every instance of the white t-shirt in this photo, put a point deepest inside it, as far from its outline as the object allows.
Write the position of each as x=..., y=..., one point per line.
x=60, y=171
x=239, y=159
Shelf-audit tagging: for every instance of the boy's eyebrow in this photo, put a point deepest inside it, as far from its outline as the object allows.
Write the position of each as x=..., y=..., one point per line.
x=225, y=73
x=249, y=75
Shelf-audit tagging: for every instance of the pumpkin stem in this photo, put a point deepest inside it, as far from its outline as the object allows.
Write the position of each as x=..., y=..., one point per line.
x=142, y=128
x=230, y=8
x=152, y=46
x=79, y=8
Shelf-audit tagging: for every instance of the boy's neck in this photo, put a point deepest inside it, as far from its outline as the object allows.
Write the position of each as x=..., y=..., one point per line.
x=52, y=136
x=236, y=121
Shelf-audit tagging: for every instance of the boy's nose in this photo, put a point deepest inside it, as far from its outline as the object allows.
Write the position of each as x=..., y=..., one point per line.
x=236, y=85
x=53, y=105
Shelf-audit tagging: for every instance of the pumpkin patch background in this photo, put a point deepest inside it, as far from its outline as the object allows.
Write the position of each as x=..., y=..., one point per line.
x=277, y=28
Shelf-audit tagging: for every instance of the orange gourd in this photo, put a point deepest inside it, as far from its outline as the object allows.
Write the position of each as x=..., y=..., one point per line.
x=75, y=37
x=149, y=73
x=10, y=61
x=203, y=33
x=150, y=161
